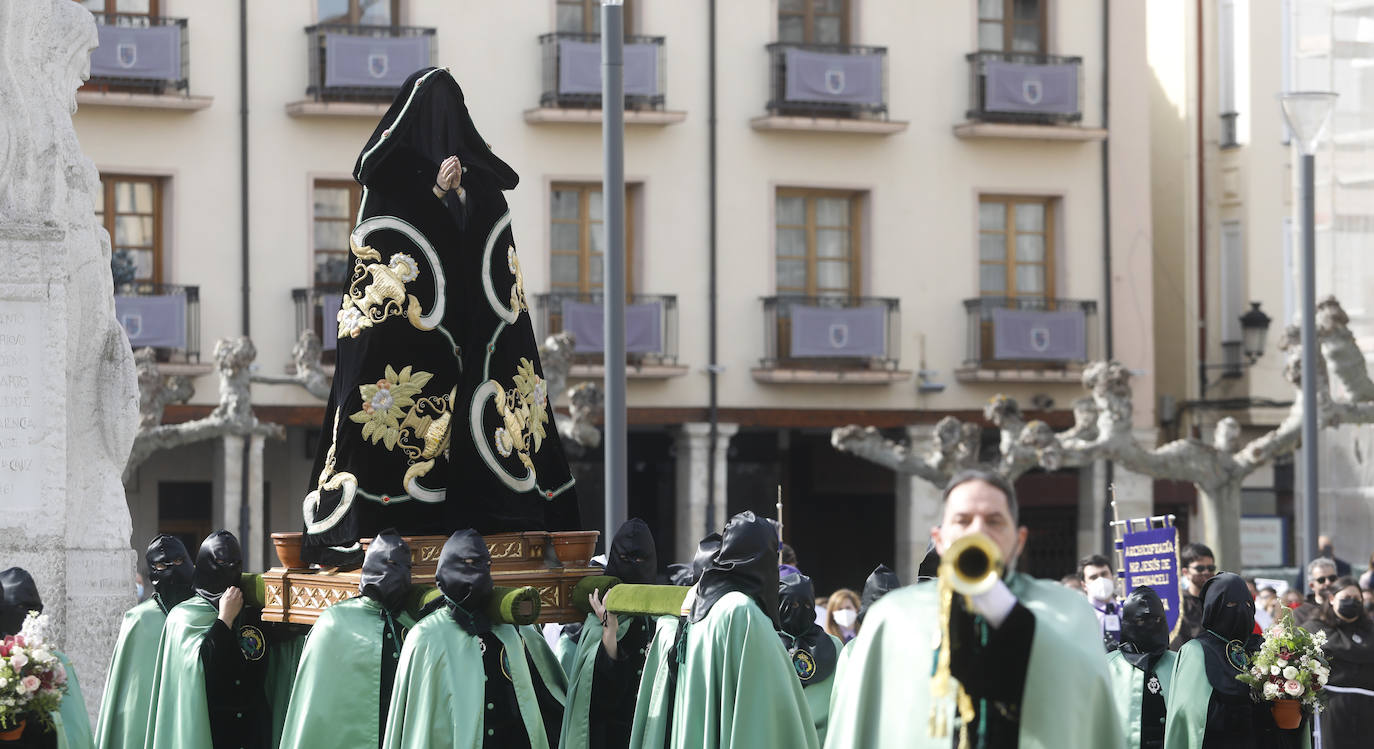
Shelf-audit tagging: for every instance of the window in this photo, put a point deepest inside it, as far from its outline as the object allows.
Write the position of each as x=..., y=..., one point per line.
x=130, y=209
x=1011, y=25
x=1016, y=247
x=1232, y=280
x=360, y=12
x=577, y=238
x=584, y=16
x=813, y=21
x=335, y=202
x=817, y=243
x=127, y=7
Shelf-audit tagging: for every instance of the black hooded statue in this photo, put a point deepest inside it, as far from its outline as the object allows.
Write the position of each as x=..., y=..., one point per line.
x=219, y=566
x=170, y=570
x=880, y=582
x=746, y=562
x=386, y=570
x=439, y=416
x=20, y=597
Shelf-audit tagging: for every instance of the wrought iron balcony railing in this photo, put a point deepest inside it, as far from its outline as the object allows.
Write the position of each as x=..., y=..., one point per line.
x=317, y=308
x=831, y=332
x=1024, y=87
x=650, y=325
x=1013, y=332
x=364, y=63
x=827, y=80
x=140, y=53
x=162, y=316
x=572, y=71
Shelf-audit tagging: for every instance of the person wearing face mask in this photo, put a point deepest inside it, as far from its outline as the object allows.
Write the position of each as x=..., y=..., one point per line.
x=814, y=652
x=342, y=689
x=842, y=614
x=1207, y=707
x=71, y=724
x=129, y=685
x=882, y=694
x=1348, y=719
x=718, y=676
x=1142, y=669
x=466, y=681
x=1100, y=586
x=1321, y=575
x=603, y=684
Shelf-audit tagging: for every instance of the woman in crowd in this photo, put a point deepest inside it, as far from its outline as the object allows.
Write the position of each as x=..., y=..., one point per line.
x=1349, y=717
x=1367, y=579
x=842, y=614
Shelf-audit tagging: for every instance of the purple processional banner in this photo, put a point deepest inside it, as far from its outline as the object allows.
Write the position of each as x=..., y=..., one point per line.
x=579, y=68
x=643, y=327
x=841, y=79
x=1151, y=559
x=1056, y=335
x=153, y=321
x=149, y=53
x=1039, y=89
x=839, y=332
x=373, y=61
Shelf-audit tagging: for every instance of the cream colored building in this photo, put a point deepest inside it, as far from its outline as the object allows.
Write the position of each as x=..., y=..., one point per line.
x=938, y=218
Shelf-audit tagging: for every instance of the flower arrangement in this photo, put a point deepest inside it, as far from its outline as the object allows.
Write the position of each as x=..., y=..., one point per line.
x=32, y=678
x=1290, y=665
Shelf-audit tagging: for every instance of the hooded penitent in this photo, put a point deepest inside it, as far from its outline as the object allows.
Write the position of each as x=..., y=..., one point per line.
x=929, y=569
x=170, y=570
x=633, y=558
x=1228, y=619
x=439, y=416
x=20, y=597
x=386, y=570
x=1144, y=628
x=812, y=650
x=219, y=565
x=747, y=562
x=880, y=582
x=464, y=577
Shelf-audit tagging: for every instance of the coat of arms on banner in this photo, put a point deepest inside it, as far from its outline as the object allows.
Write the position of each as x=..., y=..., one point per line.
x=1040, y=338
x=126, y=53
x=133, y=325
x=377, y=64
x=834, y=80
x=1032, y=91
x=839, y=335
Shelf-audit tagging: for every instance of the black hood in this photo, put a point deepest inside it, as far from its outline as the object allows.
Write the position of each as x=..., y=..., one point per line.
x=464, y=577
x=747, y=562
x=633, y=558
x=1228, y=617
x=706, y=551
x=386, y=570
x=813, y=652
x=929, y=568
x=880, y=582
x=171, y=583
x=20, y=597
x=219, y=565
x=430, y=119
x=1144, y=628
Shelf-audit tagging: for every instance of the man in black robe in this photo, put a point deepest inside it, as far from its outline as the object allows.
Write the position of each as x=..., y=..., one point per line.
x=235, y=675
x=439, y=416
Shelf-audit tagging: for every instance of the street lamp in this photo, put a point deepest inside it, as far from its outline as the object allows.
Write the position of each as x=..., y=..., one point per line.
x=1236, y=355
x=1308, y=113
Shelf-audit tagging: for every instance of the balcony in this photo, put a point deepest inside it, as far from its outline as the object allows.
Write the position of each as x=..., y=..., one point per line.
x=316, y=308
x=357, y=70
x=141, y=62
x=650, y=332
x=163, y=317
x=1028, y=339
x=827, y=88
x=825, y=339
x=1022, y=95
x=571, y=90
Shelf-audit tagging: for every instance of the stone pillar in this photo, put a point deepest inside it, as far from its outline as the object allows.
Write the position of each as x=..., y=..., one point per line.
x=1092, y=502
x=229, y=471
x=918, y=510
x=692, y=453
x=68, y=390
x=258, y=558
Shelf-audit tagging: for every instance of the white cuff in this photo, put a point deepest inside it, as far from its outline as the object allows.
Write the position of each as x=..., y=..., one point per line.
x=995, y=605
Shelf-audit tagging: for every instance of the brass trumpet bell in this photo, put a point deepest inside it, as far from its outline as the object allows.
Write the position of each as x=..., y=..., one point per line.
x=972, y=564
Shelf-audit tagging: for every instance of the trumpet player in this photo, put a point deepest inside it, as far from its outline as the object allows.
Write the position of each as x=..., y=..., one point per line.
x=982, y=656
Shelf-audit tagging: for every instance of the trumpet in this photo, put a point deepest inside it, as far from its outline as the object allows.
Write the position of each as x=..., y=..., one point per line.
x=971, y=565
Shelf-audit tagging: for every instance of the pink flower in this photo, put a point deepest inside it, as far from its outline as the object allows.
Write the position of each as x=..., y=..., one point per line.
x=18, y=661
x=29, y=683
x=59, y=676
x=1292, y=687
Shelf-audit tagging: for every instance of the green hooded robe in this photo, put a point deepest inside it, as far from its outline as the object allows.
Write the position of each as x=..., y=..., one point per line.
x=72, y=722
x=818, y=694
x=1190, y=693
x=583, y=666
x=736, y=688
x=438, y=696
x=1128, y=688
x=882, y=684
x=129, y=687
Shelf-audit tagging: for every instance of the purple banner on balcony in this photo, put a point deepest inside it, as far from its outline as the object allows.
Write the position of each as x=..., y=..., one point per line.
x=329, y=326
x=150, y=53
x=643, y=327
x=1060, y=335
x=155, y=321
x=579, y=68
x=840, y=79
x=373, y=61
x=839, y=332
x=1038, y=89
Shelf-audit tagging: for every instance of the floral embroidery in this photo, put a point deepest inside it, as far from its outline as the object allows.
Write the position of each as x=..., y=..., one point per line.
x=524, y=411
x=504, y=443
x=396, y=414
x=351, y=322
x=383, y=295
x=517, y=289
x=385, y=402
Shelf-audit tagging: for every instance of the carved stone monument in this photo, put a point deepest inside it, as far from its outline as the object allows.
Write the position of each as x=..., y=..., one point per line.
x=68, y=392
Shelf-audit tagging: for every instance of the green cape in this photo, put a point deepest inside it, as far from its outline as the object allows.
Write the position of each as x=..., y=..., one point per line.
x=283, y=657
x=129, y=687
x=439, y=694
x=882, y=684
x=1190, y=692
x=72, y=722
x=818, y=694
x=582, y=664
x=1129, y=691
x=737, y=687
x=566, y=653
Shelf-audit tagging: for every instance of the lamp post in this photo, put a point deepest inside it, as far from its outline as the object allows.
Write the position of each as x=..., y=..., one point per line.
x=1308, y=113
x=613, y=197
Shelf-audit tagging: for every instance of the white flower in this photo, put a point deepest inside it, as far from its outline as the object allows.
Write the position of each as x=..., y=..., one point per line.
x=351, y=322
x=405, y=267
x=40, y=655
x=1271, y=690
x=1321, y=679
x=1292, y=687
x=1282, y=662
x=1290, y=673
x=1274, y=670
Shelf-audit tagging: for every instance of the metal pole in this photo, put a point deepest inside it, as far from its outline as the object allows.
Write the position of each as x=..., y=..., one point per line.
x=613, y=197
x=1309, y=359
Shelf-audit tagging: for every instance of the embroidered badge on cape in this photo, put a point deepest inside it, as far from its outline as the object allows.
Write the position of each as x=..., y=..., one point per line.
x=252, y=643
x=805, y=664
x=1153, y=685
x=1236, y=655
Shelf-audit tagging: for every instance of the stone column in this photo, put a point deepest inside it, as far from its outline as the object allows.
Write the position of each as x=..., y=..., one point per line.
x=692, y=453
x=918, y=510
x=1092, y=502
x=258, y=559
x=68, y=390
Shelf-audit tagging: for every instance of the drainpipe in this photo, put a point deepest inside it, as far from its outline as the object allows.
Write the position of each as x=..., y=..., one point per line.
x=1108, y=350
x=245, y=513
x=712, y=367
x=1201, y=219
